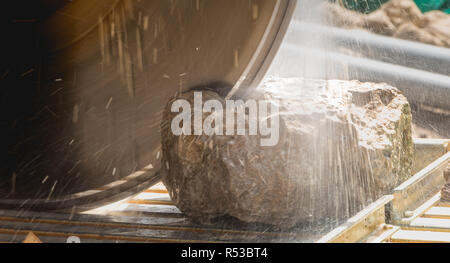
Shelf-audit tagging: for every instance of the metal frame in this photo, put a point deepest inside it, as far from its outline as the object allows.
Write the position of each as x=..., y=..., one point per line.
x=382, y=219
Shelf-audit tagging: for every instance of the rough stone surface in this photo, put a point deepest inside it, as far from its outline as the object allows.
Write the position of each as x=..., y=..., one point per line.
x=397, y=18
x=342, y=145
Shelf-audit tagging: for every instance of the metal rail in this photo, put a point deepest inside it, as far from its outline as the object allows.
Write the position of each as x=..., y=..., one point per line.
x=413, y=213
x=152, y=217
x=149, y=217
x=377, y=47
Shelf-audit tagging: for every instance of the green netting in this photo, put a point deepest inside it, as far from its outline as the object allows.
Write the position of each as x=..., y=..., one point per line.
x=429, y=5
x=368, y=6
x=363, y=6
x=446, y=6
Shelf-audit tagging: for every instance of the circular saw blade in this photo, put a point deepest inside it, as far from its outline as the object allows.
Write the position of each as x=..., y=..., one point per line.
x=103, y=74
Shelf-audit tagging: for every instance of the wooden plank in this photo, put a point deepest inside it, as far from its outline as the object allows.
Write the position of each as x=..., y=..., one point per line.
x=409, y=236
x=150, y=202
x=431, y=224
x=32, y=239
x=438, y=212
x=360, y=226
x=156, y=191
x=126, y=232
x=153, y=196
x=444, y=204
x=99, y=237
x=159, y=186
x=411, y=215
x=382, y=234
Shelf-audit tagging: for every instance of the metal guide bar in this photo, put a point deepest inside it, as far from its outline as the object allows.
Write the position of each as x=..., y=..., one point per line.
x=413, y=193
x=429, y=224
x=409, y=208
x=361, y=225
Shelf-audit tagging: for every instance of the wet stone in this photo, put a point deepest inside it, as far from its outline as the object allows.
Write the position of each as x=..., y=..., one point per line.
x=342, y=145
